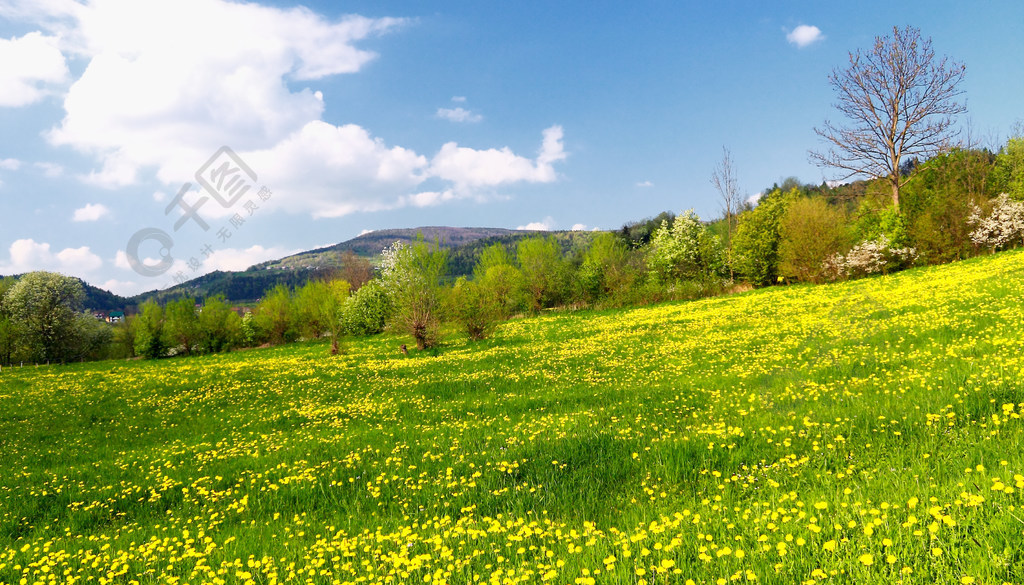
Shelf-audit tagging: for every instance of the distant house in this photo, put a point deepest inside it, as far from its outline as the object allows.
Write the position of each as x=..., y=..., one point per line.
x=115, y=317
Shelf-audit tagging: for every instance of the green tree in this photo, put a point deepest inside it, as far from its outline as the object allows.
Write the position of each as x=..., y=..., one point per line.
x=275, y=316
x=811, y=231
x=606, y=269
x=150, y=339
x=543, y=270
x=181, y=325
x=500, y=281
x=756, y=244
x=472, y=305
x=309, y=316
x=220, y=327
x=123, y=341
x=330, y=310
x=94, y=337
x=939, y=199
x=1009, y=168
x=412, y=276
x=44, y=308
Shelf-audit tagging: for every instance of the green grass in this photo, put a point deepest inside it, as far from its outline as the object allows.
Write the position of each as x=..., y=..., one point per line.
x=799, y=428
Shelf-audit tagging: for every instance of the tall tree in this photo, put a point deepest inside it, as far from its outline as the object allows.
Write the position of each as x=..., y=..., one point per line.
x=901, y=102
x=44, y=306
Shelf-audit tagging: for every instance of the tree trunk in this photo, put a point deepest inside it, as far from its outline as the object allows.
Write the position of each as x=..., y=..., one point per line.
x=896, y=195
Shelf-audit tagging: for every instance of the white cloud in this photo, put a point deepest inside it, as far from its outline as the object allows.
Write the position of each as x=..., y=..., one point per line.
x=804, y=35
x=459, y=99
x=28, y=66
x=177, y=100
x=10, y=164
x=471, y=169
x=27, y=255
x=645, y=184
x=236, y=80
x=458, y=115
x=91, y=212
x=753, y=199
x=545, y=225
x=235, y=259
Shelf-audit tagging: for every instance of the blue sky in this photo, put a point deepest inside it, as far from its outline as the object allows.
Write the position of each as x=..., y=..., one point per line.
x=367, y=115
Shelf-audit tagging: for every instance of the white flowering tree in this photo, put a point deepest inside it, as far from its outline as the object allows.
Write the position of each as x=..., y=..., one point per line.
x=870, y=257
x=684, y=250
x=1001, y=227
x=412, y=276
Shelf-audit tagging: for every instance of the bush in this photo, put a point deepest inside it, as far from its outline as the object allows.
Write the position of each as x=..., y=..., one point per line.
x=1002, y=226
x=367, y=311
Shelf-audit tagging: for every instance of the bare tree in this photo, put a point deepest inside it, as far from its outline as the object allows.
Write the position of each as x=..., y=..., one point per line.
x=724, y=180
x=900, y=101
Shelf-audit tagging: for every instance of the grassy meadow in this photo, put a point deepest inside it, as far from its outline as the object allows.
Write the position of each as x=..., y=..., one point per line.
x=862, y=432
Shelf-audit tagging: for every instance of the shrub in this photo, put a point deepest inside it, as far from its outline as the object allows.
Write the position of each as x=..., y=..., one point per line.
x=367, y=311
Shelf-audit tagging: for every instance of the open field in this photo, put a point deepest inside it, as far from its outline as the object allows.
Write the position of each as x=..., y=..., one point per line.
x=865, y=432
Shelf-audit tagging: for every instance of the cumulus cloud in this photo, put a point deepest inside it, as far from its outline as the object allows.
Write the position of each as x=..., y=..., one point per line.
x=26, y=255
x=176, y=102
x=237, y=81
x=30, y=66
x=804, y=35
x=470, y=169
x=91, y=212
x=10, y=164
x=645, y=184
x=545, y=225
x=459, y=115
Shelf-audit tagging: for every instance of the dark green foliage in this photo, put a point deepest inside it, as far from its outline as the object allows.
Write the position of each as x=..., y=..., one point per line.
x=150, y=339
x=637, y=234
x=939, y=199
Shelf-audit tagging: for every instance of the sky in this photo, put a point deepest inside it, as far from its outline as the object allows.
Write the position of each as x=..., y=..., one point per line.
x=149, y=141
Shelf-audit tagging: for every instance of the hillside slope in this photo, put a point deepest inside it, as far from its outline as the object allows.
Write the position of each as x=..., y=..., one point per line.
x=863, y=432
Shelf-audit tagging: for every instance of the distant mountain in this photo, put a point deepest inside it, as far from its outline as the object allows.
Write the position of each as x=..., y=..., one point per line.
x=371, y=244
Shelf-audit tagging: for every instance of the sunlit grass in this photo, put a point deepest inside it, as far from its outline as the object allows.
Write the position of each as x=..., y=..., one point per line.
x=864, y=432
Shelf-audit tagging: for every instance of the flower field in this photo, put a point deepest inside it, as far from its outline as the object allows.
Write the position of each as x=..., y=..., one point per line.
x=863, y=432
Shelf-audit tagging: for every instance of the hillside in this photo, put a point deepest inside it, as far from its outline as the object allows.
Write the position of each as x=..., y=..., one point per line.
x=863, y=432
